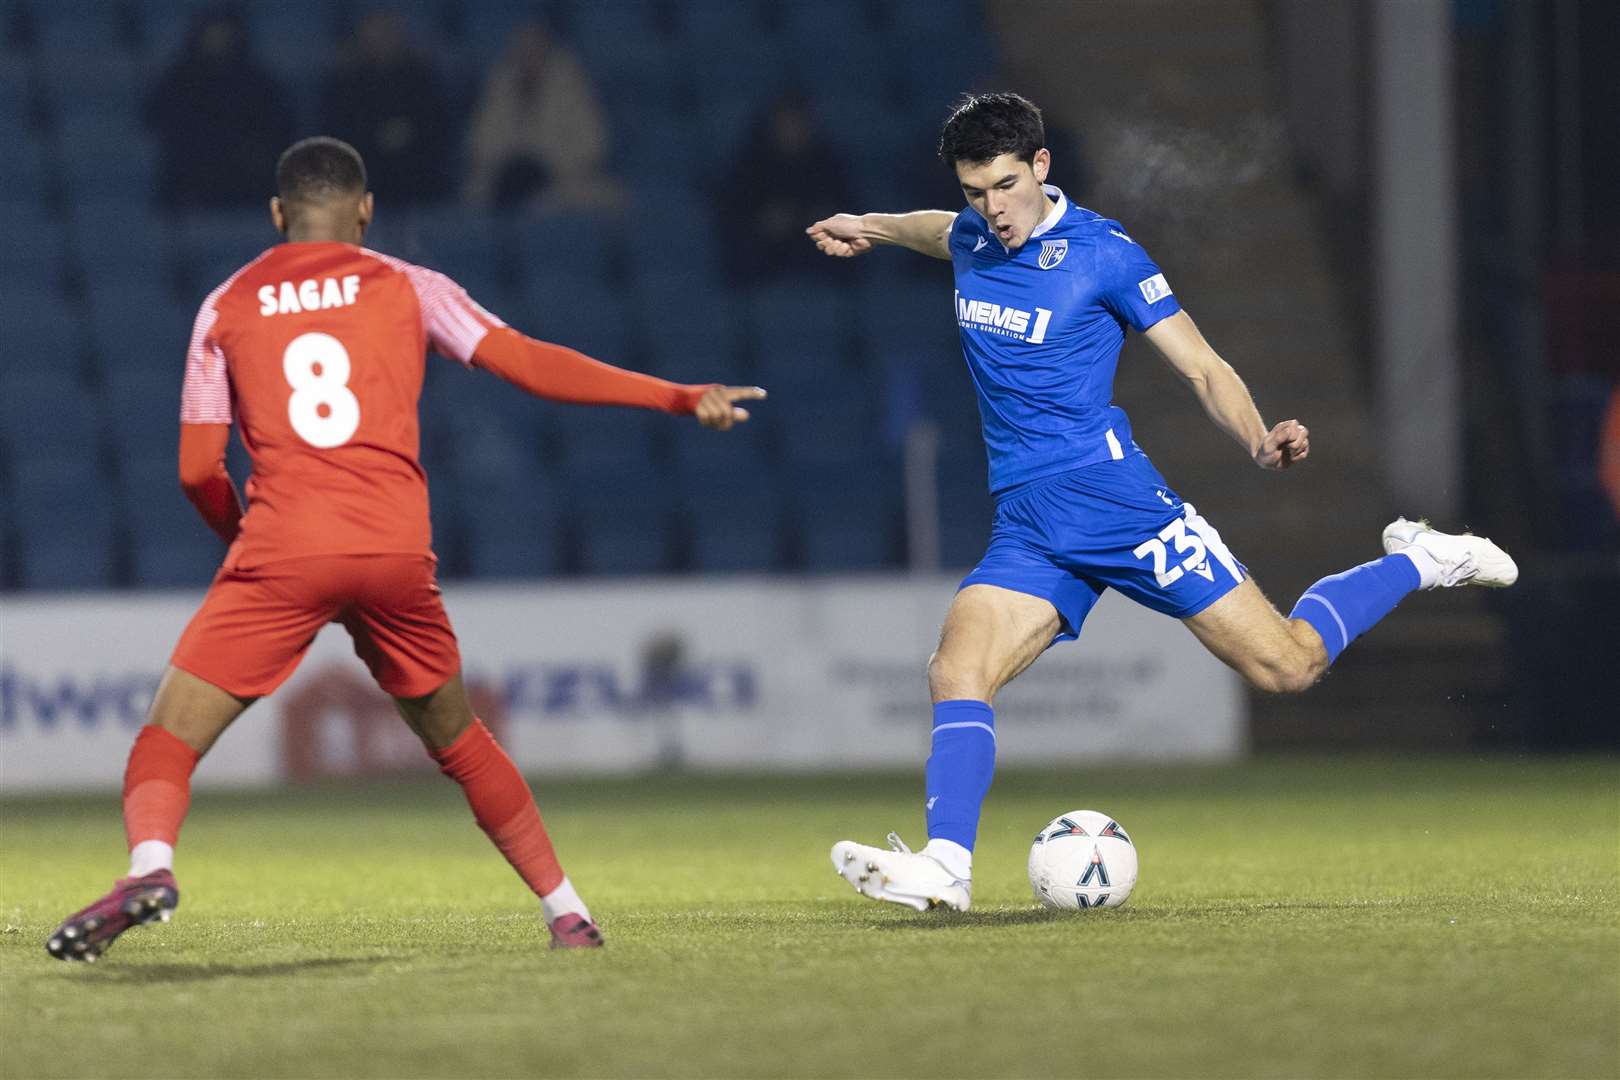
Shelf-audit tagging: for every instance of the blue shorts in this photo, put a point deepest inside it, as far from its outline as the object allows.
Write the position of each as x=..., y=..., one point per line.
x=1115, y=524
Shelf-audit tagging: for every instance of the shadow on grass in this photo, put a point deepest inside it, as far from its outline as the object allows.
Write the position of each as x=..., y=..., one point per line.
x=184, y=973
x=950, y=920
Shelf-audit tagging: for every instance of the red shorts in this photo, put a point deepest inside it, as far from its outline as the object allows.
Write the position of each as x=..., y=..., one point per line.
x=254, y=626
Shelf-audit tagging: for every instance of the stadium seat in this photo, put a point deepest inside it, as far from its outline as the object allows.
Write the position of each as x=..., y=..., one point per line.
x=64, y=524
x=689, y=329
x=512, y=527
x=43, y=331
x=835, y=431
x=671, y=233
x=35, y=253
x=141, y=407
x=661, y=141
x=621, y=520
x=901, y=319
x=121, y=243
x=848, y=520
x=217, y=243
x=732, y=501
x=170, y=545
x=575, y=244
x=802, y=318
x=105, y=155
x=965, y=510
x=451, y=239
x=605, y=439
x=584, y=315
x=141, y=326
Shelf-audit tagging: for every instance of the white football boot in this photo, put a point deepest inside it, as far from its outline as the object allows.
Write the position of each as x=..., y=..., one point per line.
x=1461, y=559
x=900, y=875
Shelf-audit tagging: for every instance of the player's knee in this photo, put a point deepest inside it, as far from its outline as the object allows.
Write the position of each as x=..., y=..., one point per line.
x=1288, y=672
x=950, y=679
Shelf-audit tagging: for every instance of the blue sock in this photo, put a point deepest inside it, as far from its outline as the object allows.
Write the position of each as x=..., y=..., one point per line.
x=1345, y=606
x=959, y=769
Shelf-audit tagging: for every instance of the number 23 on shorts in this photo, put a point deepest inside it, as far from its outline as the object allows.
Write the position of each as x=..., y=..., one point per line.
x=322, y=409
x=1176, y=533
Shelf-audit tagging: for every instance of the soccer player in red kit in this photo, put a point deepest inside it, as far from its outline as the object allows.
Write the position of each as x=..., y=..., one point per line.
x=316, y=350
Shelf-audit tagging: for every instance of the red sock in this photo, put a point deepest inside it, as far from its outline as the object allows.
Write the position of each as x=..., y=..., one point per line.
x=502, y=805
x=157, y=786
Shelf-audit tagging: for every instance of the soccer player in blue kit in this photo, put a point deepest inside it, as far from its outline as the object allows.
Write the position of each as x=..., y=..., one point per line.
x=1045, y=291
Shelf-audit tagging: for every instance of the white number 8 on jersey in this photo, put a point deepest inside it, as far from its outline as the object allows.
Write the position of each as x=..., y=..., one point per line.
x=323, y=410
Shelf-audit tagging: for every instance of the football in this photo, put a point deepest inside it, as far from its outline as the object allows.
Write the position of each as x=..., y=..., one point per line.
x=1082, y=859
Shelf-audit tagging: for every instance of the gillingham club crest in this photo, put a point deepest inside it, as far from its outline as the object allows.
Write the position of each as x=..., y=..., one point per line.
x=1052, y=252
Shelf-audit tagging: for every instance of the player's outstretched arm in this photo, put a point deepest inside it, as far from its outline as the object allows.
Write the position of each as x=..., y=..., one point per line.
x=204, y=480
x=559, y=373
x=848, y=235
x=1224, y=396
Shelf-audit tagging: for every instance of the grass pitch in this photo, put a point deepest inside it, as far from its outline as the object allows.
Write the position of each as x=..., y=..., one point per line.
x=1347, y=918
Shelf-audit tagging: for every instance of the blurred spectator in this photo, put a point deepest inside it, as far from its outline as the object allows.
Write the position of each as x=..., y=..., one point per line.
x=788, y=174
x=386, y=98
x=539, y=134
x=221, y=119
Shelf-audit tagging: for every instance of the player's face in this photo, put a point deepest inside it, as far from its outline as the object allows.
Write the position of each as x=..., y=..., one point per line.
x=1006, y=191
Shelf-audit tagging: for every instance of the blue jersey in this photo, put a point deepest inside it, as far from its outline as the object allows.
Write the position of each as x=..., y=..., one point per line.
x=1042, y=327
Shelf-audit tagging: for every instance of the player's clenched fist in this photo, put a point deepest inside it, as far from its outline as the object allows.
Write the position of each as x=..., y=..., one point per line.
x=840, y=235
x=1284, y=444
x=717, y=407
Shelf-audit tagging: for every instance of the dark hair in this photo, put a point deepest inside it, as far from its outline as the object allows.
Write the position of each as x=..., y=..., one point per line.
x=982, y=127
x=315, y=169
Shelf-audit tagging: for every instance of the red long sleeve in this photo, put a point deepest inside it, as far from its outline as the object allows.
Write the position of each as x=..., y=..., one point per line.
x=561, y=374
x=204, y=479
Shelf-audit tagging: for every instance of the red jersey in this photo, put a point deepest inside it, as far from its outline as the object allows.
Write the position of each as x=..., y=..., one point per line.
x=317, y=352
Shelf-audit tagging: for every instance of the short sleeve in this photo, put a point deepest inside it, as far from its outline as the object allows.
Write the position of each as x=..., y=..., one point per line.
x=454, y=322
x=1133, y=286
x=205, y=396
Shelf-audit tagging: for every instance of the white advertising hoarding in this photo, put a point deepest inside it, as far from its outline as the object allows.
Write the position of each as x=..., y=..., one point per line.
x=757, y=673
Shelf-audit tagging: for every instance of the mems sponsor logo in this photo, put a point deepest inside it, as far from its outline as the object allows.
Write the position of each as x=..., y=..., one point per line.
x=991, y=318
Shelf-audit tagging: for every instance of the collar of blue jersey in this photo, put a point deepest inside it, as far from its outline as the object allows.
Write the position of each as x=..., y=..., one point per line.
x=1061, y=204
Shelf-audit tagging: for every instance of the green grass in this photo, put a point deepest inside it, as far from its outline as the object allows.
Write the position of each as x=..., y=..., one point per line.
x=1357, y=918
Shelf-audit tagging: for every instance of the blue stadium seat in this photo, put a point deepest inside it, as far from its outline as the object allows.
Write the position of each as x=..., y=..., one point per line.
x=835, y=432
x=141, y=327
x=24, y=176
x=47, y=415
x=170, y=545
x=511, y=526
x=733, y=503
x=848, y=520
x=576, y=244
x=584, y=315
x=735, y=21
x=43, y=332
x=621, y=519
x=660, y=145
x=218, y=243
x=64, y=525
x=76, y=27
x=35, y=254
x=804, y=318
x=671, y=232
x=900, y=319
x=689, y=328
x=16, y=94
x=105, y=155
x=965, y=510
x=451, y=239
x=622, y=44
x=142, y=410
x=604, y=438
x=116, y=90
x=120, y=242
